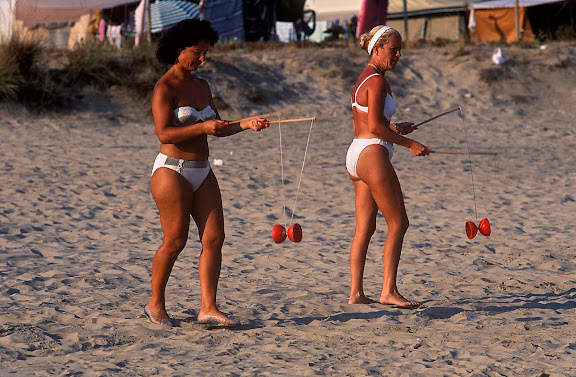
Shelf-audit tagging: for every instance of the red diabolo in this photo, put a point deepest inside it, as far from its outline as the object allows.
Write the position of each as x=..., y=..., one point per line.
x=484, y=227
x=295, y=232
x=471, y=229
x=278, y=233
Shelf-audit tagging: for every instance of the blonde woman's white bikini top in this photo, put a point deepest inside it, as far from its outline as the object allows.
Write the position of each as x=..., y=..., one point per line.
x=389, y=104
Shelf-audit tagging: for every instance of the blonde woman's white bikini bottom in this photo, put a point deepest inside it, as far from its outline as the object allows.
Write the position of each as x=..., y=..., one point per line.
x=356, y=149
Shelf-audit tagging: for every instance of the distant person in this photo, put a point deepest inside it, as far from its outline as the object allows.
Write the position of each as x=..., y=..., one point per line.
x=353, y=27
x=376, y=184
x=182, y=183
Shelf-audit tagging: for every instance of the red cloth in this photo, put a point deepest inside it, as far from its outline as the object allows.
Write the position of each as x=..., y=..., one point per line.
x=372, y=13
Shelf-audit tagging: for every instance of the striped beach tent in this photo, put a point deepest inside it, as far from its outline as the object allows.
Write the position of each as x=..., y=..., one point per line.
x=226, y=17
x=166, y=13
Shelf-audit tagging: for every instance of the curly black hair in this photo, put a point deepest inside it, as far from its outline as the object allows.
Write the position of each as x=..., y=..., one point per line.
x=184, y=34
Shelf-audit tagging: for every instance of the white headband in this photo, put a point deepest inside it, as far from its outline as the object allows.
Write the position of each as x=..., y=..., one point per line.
x=377, y=36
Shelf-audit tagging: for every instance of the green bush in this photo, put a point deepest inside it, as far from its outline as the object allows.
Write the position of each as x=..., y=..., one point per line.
x=16, y=60
x=22, y=78
x=49, y=86
x=10, y=78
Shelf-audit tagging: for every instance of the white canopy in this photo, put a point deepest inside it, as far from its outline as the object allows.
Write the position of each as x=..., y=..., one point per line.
x=511, y=3
x=329, y=10
x=333, y=9
x=416, y=7
x=74, y=4
x=33, y=12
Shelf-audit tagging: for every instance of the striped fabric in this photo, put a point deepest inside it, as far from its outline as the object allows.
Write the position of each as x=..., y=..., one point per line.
x=226, y=17
x=166, y=13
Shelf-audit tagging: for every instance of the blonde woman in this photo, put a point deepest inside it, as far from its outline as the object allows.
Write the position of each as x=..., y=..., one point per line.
x=376, y=184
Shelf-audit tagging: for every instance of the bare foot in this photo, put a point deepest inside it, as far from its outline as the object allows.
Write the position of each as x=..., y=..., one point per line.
x=217, y=319
x=398, y=301
x=360, y=299
x=159, y=311
x=159, y=319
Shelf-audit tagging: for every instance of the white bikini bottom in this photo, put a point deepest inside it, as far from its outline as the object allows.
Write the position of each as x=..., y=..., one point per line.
x=356, y=149
x=195, y=172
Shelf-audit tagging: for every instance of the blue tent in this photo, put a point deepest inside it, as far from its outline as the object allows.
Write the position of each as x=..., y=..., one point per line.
x=226, y=17
x=165, y=14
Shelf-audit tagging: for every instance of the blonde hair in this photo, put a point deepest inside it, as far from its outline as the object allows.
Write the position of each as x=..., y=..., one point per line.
x=367, y=37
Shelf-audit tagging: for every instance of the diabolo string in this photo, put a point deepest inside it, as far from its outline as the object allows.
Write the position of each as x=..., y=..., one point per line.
x=469, y=163
x=301, y=173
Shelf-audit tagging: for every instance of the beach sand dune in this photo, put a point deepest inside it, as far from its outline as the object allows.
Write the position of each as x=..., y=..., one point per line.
x=78, y=227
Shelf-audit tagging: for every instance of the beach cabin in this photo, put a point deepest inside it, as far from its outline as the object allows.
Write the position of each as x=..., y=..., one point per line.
x=415, y=19
x=474, y=20
x=429, y=19
x=495, y=21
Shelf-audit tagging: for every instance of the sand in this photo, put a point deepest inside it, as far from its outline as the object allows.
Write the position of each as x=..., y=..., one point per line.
x=78, y=227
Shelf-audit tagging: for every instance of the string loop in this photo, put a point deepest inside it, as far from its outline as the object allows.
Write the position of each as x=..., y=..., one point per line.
x=301, y=172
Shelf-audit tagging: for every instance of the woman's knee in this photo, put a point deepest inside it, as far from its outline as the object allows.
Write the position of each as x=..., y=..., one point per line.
x=213, y=241
x=405, y=224
x=173, y=246
x=400, y=225
x=366, y=231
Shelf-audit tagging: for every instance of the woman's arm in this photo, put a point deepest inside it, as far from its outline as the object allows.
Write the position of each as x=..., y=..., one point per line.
x=231, y=128
x=380, y=126
x=168, y=133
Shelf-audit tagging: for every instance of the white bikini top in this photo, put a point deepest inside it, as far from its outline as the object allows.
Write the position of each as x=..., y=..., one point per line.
x=389, y=104
x=186, y=115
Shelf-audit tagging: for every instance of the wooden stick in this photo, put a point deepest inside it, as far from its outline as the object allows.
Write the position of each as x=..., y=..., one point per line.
x=291, y=120
x=464, y=152
x=277, y=113
x=437, y=116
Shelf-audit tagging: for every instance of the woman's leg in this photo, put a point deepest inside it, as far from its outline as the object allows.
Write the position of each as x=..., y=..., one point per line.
x=366, y=211
x=208, y=215
x=173, y=197
x=375, y=169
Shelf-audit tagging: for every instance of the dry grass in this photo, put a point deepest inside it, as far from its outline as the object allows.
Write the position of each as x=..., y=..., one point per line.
x=50, y=80
x=26, y=77
x=17, y=58
x=53, y=86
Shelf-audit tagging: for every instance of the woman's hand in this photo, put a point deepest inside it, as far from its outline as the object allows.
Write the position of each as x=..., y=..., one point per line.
x=216, y=127
x=418, y=149
x=256, y=124
x=403, y=128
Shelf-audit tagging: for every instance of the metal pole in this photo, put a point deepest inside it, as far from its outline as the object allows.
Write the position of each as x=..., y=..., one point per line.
x=149, y=22
x=572, y=31
x=405, y=19
x=517, y=16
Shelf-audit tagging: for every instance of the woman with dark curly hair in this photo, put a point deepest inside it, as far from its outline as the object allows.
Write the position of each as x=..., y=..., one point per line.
x=182, y=182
